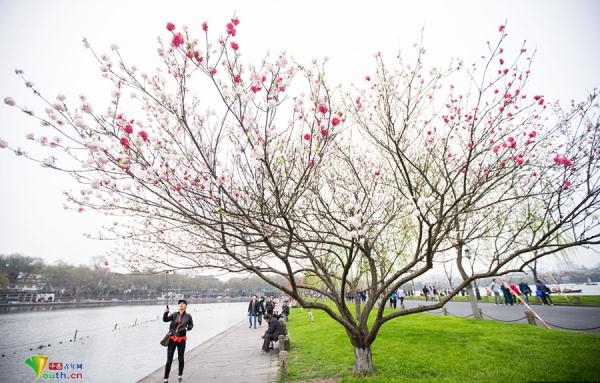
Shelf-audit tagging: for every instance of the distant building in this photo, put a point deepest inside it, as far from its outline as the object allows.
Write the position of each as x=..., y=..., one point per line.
x=28, y=282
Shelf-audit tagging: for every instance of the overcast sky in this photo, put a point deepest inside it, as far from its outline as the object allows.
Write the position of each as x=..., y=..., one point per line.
x=43, y=38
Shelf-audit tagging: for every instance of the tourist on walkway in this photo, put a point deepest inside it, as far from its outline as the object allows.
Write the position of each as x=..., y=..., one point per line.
x=495, y=287
x=541, y=292
x=261, y=310
x=401, y=295
x=514, y=291
x=253, y=309
x=425, y=292
x=393, y=299
x=275, y=329
x=181, y=322
x=525, y=291
x=269, y=306
x=507, y=295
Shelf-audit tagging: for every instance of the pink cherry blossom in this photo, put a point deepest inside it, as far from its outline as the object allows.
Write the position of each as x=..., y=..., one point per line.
x=170, y=27
x=532, y=134
x=335, y=121
x=307, y=136
x=566, y=184
x=563, y=161
x=125, y=142
x=177, y=40
x=234, y=45
x=143, y=134
x=205, y=26
x=501, y=28
x=80, y=209
x=322, y=109
x=230, y=29
x=324, y=132
x=235, y=21
x=128, y=129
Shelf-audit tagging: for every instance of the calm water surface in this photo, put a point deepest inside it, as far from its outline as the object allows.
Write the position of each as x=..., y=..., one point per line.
x=102, y=353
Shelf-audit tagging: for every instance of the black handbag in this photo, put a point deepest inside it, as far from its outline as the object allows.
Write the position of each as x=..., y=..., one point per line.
x=166, y=339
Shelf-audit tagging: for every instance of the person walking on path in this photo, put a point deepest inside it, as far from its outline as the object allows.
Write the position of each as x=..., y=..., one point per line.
x=514, y=291
x=253, y=309
x=181, y=322
x=525, y=290
x=507, y=295
x=275, y=329
x=401, y=295
x=269, y=306
x=495, y=287
x=261, y=310
x=541, y=292
x=393, y=299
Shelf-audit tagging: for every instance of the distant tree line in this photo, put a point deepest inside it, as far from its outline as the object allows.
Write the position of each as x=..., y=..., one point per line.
x=98, y=282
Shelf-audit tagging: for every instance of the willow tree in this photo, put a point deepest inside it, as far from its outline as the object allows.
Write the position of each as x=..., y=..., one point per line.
x=211, y=162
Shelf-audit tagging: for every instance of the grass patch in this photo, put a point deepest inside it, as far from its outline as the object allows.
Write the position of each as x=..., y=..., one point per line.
x=431, y=348
x=576, y=300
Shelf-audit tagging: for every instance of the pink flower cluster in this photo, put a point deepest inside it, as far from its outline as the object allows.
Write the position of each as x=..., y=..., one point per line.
x=127, y=127
x=563, y=161
x=230, y=27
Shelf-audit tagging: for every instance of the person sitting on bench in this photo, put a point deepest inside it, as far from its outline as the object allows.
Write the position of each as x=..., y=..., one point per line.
x=275, y=329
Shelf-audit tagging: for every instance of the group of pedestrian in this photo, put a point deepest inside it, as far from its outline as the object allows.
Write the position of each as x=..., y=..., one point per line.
x=259, y=308
x=275, y=312
x=511, y=293
x=397, y=295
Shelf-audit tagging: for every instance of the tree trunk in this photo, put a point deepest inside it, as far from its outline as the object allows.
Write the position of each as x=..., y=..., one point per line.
x=363, y=362
x=473, y=300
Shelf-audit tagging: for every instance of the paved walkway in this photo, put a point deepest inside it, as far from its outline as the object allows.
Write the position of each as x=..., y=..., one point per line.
x=232, y=356
x=567, y=317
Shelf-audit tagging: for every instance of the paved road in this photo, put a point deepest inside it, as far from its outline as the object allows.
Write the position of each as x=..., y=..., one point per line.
x=232, y=356
x=570, y=317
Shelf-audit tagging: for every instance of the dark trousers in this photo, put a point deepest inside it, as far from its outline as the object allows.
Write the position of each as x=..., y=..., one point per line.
x=170, y=352
x=267, y=342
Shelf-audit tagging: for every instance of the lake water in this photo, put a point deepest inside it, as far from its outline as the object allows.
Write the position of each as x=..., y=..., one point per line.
x=102, y=353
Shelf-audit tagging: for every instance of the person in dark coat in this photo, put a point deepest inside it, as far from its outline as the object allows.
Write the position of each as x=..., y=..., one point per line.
x=541, y=291
x=253, y=309
x=261, y=310
x=181, y=322
x=525, y=290
x=275, y=329
x=269, y=306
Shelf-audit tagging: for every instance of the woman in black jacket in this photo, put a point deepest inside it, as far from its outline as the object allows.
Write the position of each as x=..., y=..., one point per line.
x=181, y=322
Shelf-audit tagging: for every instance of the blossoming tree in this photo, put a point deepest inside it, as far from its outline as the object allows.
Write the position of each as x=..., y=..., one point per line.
x=365, y=188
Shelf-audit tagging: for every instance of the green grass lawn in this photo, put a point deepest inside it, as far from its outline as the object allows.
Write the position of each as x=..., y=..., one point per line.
x=431, y=348
x=580, y=300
